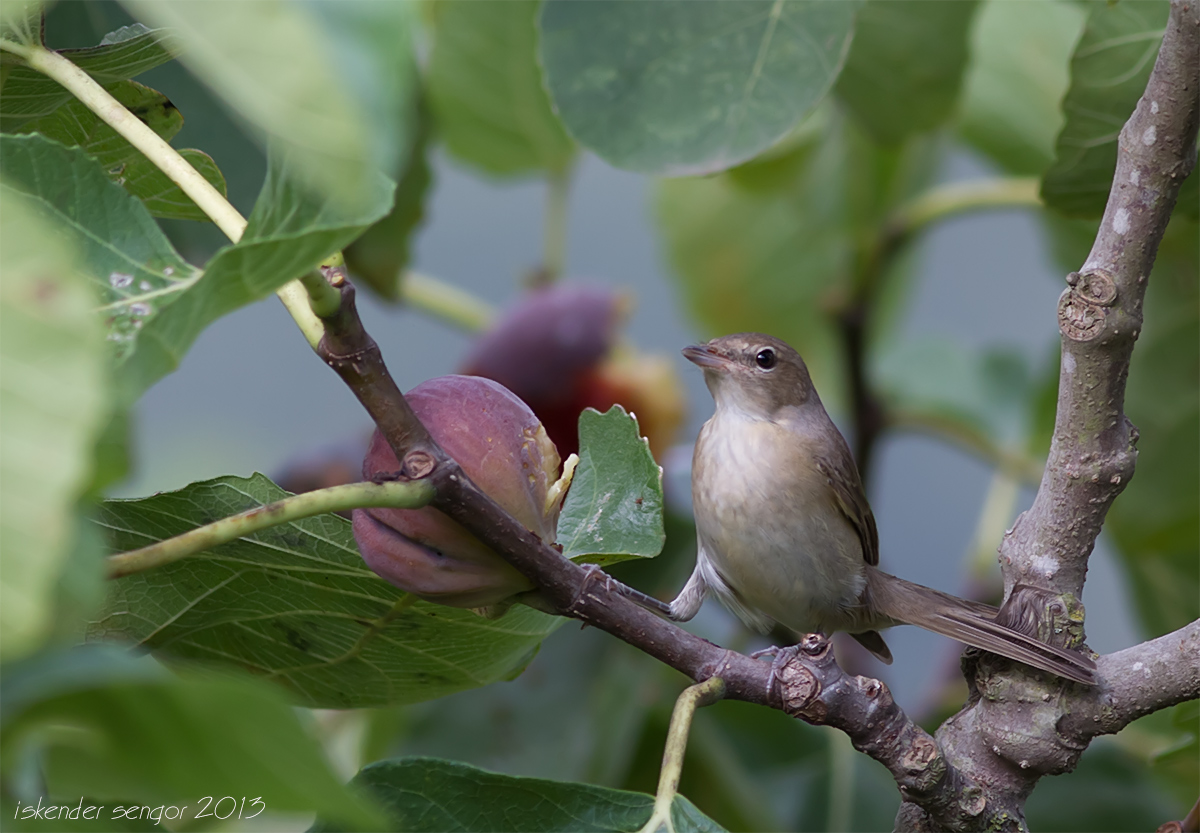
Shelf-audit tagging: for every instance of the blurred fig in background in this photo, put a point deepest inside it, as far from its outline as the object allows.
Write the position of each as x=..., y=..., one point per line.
x=558, y=350
x=504, y=449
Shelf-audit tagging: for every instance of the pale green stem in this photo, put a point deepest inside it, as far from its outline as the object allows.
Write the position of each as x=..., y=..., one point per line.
x=956, y=198
x=692, y=698
x=1021, y=467
x=994, y=516
x=305, y=505
x=841, y=781
x=166, y=159
x=445, y=301
x=554, y=242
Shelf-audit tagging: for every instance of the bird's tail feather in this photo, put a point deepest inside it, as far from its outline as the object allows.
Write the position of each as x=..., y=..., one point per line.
x=973, y=623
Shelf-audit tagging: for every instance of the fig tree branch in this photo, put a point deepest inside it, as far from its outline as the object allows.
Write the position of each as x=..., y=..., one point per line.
x=1004, y=740
x=1094, y=447
x=1138, y=681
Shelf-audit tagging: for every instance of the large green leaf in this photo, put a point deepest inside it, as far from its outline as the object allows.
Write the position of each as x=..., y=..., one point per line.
x=1109, y=70
x=296, y=604
x=155, y=303
x=55, y=401
x=76, y=125
x=771, y=246
x=427, y=794
x=125, y=730
x=287, y=85
x=27, y=94
x=485, y=88
x=1155, y=523
x=675, y=87
x=378, y=258
x=906, y=64
x=614, y=510
x=1016, y=79
x=983, y=393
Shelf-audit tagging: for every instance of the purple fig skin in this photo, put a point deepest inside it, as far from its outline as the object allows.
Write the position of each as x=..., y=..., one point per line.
x=503, y=448
x=549, y=338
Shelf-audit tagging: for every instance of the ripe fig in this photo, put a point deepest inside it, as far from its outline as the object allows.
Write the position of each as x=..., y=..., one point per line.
x=503, y=448
x=558, y=350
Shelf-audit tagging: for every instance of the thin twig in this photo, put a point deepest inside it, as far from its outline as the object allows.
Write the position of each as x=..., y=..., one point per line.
x=692, y=698
x=446, y=301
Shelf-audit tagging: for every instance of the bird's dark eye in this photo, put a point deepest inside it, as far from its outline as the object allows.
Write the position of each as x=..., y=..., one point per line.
x=766, y=358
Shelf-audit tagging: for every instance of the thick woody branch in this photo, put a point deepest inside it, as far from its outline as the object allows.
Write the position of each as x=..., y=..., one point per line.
x=1093, y=451
x=1001, y=740
x=1138, y=681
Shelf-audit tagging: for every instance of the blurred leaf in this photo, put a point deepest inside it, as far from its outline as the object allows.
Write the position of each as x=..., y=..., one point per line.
x=772, y=246
x=27, y=94
x=614, y=509
x=435, y=795
x=988, y=392
x=371, y=43
x=117, y=728
x=76, y=125
x=676, y=88
x=1109, y=70
x=286, y=85
x=906, y=64
x=21, y=21
x=295, y=603
x=485, y=89
x=55, y=400
x=1108, y=791
x=573, y=715
x=382, y=252
x=1154, y=522
x=1016, y=79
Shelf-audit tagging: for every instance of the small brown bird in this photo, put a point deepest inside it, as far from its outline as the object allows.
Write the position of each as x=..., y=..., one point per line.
x=784, y=529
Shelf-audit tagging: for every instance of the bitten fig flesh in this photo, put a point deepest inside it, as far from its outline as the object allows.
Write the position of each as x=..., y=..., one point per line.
x=503, y=448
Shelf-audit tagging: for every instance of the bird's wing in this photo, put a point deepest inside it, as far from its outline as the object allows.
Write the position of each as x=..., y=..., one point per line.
x=843, y=478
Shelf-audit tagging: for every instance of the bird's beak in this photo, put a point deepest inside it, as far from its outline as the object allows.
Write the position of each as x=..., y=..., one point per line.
x=706, y=356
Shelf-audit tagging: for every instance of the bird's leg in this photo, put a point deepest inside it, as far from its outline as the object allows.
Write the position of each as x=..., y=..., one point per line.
x=810, y=644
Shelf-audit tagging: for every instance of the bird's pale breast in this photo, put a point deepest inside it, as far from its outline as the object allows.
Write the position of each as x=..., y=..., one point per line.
x=770, y=525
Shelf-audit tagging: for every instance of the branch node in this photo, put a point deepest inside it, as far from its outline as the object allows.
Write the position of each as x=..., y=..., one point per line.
x=1078, y=318
x=972, y=801
x=922, y=752
x=799, y=688
x=418, y=464
x=1097, y=286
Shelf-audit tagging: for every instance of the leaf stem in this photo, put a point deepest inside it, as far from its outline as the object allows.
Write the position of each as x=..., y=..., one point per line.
x=954, y=198
x=446, y=301
x=400, y=495
x=692, y=698
x=554, y=234
x=168, y=160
